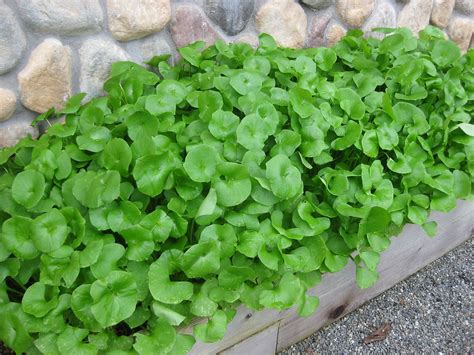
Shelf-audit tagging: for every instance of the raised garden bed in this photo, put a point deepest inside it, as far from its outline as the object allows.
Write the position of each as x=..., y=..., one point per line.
x=236, y=177
x=270, y=331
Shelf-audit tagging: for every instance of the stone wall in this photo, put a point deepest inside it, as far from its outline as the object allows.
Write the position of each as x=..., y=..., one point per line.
x=51, y=49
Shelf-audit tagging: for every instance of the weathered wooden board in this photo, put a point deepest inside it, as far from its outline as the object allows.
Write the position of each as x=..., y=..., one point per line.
x=261, y=333
x=262, y=343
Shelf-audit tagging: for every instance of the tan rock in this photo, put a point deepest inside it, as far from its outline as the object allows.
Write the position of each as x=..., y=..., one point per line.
x=12, y=131
x=442, y=10
x=355, y=12
x=415, y=15
x=285, y=20
x=130, y=20
x=461, y=30
x=7, y=104
x=46, y=79
x=334, y=33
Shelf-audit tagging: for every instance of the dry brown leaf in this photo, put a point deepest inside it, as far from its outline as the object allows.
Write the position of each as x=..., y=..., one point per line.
x=379, y=335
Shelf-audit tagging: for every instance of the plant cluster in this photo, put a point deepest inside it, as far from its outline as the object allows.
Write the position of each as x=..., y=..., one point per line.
x=238, y=176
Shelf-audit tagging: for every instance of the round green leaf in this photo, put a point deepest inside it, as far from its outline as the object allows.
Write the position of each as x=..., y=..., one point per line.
x=141, y=124
x=223, y=124
x=246, y=82
x=160, y=341
x=95, y=189
x=370, y=144
x=161, y=288
x=39, y=299
x=201, y=259
x=209, y=102
x=284, y=178
x=200, y=163
x=107, y=261
x=114, y=298
x=140, y=243
x=94, y=140
x=224, y=235
x=213, y=330
x=71, y=340
x=117, y=155
x=233, y=185
x=151, y=172
x=159, y=223
x=257, y=63
x=252, y=132
x=124, y=215
x=28, y=188
x=445, y=53
x=16, y=237
x=49, y=231
x=377, y=220
x=81, y=303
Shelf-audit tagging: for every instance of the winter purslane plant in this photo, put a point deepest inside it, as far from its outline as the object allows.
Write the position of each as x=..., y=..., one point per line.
x=238, y=176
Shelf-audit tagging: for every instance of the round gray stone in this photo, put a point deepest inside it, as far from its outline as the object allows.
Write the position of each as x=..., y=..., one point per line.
x=384, y=15
x=465, y=6
x=71, y=17
x=189, y=24
x=145, y=49
x=96, y=57
x=12, y=39
x=317, y=29
x=318, y=4
x=13, y=130
x=232, y=16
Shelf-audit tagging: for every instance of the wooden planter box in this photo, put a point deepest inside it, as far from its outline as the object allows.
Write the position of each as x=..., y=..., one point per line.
x=270, y=331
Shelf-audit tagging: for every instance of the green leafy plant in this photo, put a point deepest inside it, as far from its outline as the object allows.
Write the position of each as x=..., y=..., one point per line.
x=238, y=176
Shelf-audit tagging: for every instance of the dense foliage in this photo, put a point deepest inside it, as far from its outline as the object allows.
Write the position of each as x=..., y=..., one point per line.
x=236, y=176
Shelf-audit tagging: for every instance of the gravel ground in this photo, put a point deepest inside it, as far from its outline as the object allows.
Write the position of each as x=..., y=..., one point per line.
x=429, y=312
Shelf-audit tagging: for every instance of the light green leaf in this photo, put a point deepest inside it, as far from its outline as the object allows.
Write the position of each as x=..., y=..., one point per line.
x=49, y=231
x=366, y=278
x=223, y=124
x=39, y=299
x=160, y=341
x=284, y=177
x=16, y=237
x=151, y=172
x=233, y=185
x=161, y=288
x=213, y=330
x=200, y=163
x=201, y=259
x=371, y=259
x=117, y=155
x=114, y=298
x=28, y=188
